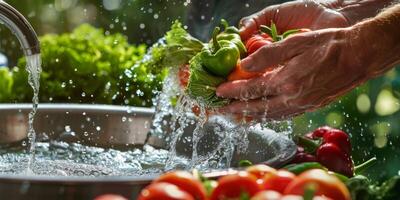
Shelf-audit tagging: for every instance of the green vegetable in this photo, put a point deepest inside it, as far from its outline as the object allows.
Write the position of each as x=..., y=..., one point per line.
x=231, y=34
x=209, y=185
x=181, y=46
x=390, y=189
x=309, y=191
x=245, y=163
x=341, y=177
x=273, y=32
x=301, y=167
x=202, y=85
x=359, y=188
x=221, y=58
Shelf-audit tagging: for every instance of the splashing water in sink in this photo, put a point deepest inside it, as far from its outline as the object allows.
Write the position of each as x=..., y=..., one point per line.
x=174, y=115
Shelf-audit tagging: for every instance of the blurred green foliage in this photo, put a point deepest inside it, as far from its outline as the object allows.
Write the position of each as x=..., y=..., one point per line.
x=141, y=21
x=86, y=66
x=370, y=115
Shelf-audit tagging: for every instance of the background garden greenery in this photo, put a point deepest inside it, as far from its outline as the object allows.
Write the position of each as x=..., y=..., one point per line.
x=95, y=66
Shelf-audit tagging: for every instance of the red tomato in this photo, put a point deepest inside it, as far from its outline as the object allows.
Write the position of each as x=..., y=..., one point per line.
x=183, y=75
x=325, y=185
x=110, y=197
x=257, y=41
x=260, y=170
x=164, y=191
x=273, y=195
x=278, y=181
x=186, y=182
x=234, y=185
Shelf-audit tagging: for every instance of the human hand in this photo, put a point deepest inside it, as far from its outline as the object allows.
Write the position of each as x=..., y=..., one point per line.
x=296, y=14
x=315, y=68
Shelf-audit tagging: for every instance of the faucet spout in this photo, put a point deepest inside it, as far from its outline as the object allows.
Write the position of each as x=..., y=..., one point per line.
x=21, y=28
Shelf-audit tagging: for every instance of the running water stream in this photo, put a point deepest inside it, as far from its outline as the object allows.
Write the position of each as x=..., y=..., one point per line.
x=33, y=66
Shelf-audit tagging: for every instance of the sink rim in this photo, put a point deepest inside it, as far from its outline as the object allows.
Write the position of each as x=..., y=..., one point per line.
x=76, y=106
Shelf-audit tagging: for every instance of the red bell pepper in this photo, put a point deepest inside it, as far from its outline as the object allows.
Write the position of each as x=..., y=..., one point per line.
x=331, y=147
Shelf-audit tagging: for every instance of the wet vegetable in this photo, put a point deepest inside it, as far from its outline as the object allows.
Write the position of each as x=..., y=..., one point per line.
x=257, y=41
x=240, y=185
x=299, y=168
x=333, y=151
x=221, y=58
x=324, y=184
x=186, y=182
x=267, y=36
x=231, y=34
x=164, y=191
x=278, y=181
x=202, y=85
x=260, y=170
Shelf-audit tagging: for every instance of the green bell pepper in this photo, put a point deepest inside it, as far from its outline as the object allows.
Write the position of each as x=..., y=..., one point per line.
x=221, y=58
x=231, y=33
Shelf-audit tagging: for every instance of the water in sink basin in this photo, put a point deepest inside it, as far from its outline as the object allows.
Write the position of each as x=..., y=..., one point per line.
x=63, y=159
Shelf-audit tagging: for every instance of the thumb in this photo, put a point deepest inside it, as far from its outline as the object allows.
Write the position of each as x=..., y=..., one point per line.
x=251, y=24
x=248, y=26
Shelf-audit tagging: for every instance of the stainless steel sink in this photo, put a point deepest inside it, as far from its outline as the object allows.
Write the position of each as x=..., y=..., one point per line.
x=107, y=126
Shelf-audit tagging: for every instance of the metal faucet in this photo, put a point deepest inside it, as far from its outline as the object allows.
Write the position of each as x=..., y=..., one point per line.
x=17, y=23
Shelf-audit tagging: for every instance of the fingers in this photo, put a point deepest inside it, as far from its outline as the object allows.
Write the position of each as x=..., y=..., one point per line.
x=248, y=89
x=276, y=108
x=274, y=54
x=250, y=25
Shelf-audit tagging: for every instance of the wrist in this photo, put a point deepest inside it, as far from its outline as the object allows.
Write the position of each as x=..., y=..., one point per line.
x=357, y=10
x=375, y=43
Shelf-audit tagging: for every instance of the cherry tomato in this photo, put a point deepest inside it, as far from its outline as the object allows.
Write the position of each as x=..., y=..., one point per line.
x=278, y=181
x=186, y=182
x=260, y=170
x=325, y=185
x=257, y=41
x=234, y=185
x=183, y=75
x=164, y=191
x=110, y=197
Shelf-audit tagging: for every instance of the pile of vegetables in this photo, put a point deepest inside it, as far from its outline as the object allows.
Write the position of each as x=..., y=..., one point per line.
x=325, y=172
x=88, y=66
x=219, y=61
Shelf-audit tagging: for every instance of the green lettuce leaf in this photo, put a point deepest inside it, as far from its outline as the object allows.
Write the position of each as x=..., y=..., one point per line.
x=180, y=46
x=202, y=85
